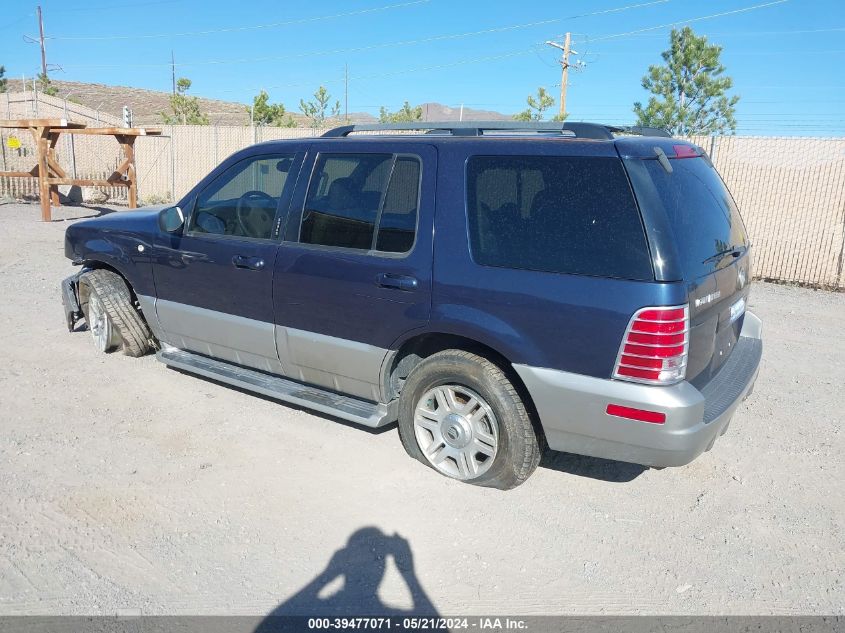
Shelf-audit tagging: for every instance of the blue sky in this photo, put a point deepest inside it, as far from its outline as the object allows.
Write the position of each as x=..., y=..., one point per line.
x=786, y=59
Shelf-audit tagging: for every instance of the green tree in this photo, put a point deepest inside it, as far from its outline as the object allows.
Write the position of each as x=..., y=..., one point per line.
x=3, y=80
x=186, y=109
x=689, y=90
x=405, y=114
x=537, y=107
x=46, y=86
x=319, y=110
x=266, y=113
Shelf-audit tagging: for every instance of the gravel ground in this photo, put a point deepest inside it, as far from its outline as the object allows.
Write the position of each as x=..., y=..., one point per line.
x=127, y=487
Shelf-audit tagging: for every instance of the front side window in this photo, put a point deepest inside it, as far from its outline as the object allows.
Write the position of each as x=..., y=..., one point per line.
x=556, y=214
x=242, y=201
x=363, y=201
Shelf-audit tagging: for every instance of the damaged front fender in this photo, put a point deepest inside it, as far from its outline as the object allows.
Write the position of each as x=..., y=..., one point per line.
x=70, y=300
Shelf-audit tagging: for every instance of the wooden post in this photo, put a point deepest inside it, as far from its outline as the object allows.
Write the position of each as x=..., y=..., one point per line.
x=566, y=49
x=51, y=161
x=564, y=75
x=128, y=145
x=42, y=140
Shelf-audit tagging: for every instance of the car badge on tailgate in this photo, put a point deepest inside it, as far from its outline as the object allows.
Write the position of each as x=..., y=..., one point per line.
x=708, y=298
x=737, y=309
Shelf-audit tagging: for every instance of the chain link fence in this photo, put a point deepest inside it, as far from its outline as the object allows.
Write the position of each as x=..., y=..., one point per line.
x=791, y=191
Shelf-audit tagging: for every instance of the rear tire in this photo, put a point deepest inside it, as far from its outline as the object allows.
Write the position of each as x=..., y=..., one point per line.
x=461, y=416
x=111, y=315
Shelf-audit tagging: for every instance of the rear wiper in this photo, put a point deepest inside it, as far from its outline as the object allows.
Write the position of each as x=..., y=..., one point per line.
x=736, y=251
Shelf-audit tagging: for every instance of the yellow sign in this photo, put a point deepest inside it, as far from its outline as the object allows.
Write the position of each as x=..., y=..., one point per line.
x=13, y=142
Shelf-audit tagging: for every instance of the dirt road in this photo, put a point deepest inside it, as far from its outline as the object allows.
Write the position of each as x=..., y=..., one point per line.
x=127, y=487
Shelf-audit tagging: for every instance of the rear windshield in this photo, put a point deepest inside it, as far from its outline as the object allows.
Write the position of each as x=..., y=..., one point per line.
x=557, y=214
x=701, y=212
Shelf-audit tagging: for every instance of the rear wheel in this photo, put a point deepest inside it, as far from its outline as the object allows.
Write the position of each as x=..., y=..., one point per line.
x=111, y=315
x=460, y=415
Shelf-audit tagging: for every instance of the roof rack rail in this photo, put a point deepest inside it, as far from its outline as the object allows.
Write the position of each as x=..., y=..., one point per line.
x=478, y=128
x=640, y=130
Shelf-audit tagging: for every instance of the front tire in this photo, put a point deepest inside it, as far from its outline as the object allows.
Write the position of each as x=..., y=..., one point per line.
x=460, y=415
x=111, y=315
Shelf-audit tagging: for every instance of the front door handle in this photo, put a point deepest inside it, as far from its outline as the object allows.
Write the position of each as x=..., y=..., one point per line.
x=244, y=261
x=398, y=282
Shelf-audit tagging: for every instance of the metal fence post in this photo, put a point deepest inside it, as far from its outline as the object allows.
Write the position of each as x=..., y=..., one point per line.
x=172, y=165
x=70, y=147
x=714, y=145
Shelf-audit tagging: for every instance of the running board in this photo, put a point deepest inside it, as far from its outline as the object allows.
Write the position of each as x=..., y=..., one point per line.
x=351, y=409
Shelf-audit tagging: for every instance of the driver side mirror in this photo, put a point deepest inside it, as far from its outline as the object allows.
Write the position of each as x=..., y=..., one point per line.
x=171, y=220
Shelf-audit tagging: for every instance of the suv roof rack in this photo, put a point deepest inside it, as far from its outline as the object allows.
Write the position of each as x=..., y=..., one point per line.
x=479, y=128
x=640, y=130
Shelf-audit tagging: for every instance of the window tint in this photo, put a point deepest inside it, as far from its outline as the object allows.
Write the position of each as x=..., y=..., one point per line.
x=557, y=214
x=398, y=222
x=363, y=201
x=703, y=216
x=242, y=201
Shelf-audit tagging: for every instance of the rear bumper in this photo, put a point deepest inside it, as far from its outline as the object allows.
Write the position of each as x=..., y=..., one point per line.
x=573, y=409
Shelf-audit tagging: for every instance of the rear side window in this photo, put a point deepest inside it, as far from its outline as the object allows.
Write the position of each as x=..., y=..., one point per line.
x=557, y=214
x=701, y=212
x=363, y=201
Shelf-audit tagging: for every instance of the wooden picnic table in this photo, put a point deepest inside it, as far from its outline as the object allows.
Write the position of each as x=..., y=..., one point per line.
x=50, y=174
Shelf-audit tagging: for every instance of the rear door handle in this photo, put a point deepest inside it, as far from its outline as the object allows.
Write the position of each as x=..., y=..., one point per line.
x=252, y=263
x=398, y=282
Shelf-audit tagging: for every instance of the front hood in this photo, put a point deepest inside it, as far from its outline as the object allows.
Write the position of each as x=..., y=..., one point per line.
x=124, y=220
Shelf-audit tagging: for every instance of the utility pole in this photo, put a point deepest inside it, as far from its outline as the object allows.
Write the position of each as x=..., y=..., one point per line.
x=566, y=49
x=41, y=41
x=346, y=92
x=173, y=70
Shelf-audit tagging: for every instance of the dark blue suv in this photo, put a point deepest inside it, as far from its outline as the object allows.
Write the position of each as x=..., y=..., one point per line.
x=495, y=288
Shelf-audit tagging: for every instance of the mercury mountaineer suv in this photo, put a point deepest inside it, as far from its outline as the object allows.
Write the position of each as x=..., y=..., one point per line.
x=495, y=288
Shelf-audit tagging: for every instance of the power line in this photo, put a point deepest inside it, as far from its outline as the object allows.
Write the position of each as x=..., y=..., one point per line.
x=236, y=29
x=764, y=53
x=369, y=47
x=14, y=23
x=81, y=9
x=687, y=21
x=645, y=36
x=532, y=50
x=403, y=71
x=321, y=53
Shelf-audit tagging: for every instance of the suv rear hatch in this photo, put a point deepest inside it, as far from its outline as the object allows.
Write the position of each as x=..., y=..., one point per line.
x=696, y=236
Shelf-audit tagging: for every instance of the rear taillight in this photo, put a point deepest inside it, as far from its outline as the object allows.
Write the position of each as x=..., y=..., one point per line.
x=655, y=347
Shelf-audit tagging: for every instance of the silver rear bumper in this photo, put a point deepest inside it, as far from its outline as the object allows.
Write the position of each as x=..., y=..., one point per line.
x=573, y=409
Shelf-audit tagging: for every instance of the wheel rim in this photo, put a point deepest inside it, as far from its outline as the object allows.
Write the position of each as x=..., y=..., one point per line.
x=101, y=329
x=456, y=431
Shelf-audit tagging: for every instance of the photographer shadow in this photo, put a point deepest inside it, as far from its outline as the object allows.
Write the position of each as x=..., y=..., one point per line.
x=356, y=570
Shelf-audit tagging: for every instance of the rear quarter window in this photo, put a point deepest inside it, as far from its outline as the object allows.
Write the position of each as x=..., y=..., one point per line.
x=556, y=214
